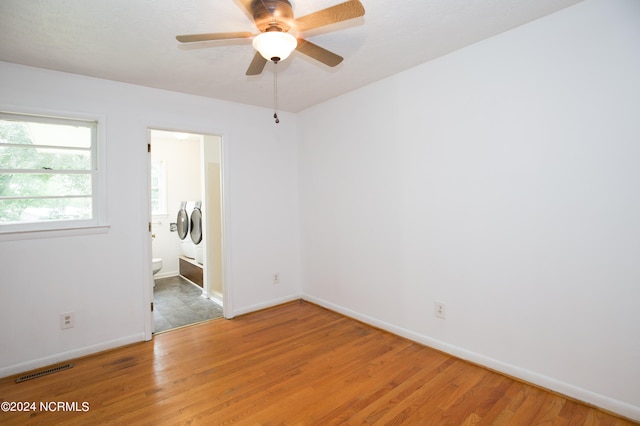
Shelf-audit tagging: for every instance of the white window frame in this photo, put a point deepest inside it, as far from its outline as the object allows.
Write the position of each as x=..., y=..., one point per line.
x=163, y=209
x=98, y=222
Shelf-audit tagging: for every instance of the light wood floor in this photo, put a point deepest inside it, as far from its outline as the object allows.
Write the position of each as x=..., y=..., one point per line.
x=294, y=364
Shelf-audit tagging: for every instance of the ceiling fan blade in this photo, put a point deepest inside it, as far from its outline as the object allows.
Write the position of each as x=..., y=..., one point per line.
x=247, y=5
x=338, y=13
x=257, y=65
x=319, y=53
x=213, y=36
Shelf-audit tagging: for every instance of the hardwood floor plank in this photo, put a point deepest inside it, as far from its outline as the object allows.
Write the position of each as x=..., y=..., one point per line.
x=496, y=401
x=427, y=398
x=400, y=393
x=549, y=410
x=342, y=391
x=293, y=364
x=533, y=399
x=366, y=396
x=319, y=366
x=490, y=394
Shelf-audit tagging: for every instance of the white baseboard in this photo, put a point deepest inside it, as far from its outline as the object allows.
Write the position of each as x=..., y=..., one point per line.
x=265, y=305
x=168, y=274
x=601, y=401
x=69, y=355
x=216, y=297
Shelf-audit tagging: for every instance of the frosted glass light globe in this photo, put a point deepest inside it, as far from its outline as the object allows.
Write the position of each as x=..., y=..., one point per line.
x=274, y=45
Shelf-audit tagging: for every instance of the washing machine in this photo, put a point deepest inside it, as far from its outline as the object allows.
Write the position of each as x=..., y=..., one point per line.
x=183, y=226
x=196, y=232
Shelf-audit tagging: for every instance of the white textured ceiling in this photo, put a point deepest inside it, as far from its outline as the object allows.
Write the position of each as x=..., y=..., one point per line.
x=134, y=41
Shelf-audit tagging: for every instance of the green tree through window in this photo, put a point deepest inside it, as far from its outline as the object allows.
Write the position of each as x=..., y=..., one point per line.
x=46, y=169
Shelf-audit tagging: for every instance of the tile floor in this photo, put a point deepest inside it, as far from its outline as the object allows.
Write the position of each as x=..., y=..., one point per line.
x=177, y=302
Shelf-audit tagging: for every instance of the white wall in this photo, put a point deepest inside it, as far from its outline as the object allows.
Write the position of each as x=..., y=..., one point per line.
x=105, y=279
x=503, y=180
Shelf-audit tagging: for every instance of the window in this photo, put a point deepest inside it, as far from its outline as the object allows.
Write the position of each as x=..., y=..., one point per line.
x=48, y=173
x=158, y=188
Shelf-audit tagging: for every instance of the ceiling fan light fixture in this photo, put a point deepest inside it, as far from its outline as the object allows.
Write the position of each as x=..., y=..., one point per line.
x=275, y=45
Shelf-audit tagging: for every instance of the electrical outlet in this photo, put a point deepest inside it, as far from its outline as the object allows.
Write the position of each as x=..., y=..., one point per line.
x=67, y=320
x=440, y=309
x=276, y=278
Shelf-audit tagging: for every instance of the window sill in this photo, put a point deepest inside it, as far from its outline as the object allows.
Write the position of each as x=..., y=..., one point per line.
x=53, y=233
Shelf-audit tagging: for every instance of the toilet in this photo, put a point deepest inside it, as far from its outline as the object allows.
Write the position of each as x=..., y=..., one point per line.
x=156, y=265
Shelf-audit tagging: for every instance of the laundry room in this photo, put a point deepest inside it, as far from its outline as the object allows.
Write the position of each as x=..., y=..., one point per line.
x=185, y=199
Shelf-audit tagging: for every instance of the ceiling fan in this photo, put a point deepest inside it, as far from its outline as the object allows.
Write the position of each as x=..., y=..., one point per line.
x=274, y=19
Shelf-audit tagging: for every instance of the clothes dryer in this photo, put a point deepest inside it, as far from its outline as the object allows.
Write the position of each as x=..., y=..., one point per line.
x=197, y=236
x=183, y=226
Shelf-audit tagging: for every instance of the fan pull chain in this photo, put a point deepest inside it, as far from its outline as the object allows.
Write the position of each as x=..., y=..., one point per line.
x=275, y=92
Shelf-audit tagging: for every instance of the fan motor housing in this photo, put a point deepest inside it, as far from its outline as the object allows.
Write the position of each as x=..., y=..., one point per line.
x=272, y=15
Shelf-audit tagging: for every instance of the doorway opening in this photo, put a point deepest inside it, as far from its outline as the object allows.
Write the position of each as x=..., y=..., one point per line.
x=185, y=196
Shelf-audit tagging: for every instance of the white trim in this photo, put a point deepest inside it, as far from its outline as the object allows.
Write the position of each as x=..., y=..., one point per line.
x=69, y=355
x=166, y=274
x=216, y=297
x=227, y=286
x=145, y=201
x=265, y=305
x=227, y=276
x=53, y=233
x=604, y=402
x=162, y=189
x=97, y=123
x=48, y=119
